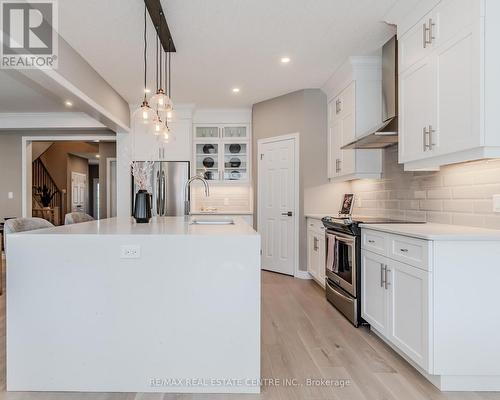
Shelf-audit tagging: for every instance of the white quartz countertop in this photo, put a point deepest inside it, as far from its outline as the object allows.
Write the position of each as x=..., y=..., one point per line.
x=315, y=216
x=157, y=226
x=220, y=212
x=431, y=231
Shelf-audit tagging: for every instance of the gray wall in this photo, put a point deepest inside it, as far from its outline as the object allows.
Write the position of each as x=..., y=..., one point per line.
x=305, y=112
x=10, y=166
x=10, y=174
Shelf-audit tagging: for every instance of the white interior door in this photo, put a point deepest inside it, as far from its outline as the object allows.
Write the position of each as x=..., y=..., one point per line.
x=277, y=204
x=78, y=192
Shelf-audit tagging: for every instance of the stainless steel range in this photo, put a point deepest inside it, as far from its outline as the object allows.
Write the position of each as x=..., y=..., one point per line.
x=343, y=262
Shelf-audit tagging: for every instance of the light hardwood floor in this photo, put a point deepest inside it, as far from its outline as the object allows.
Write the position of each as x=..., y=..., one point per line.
x=303, y=337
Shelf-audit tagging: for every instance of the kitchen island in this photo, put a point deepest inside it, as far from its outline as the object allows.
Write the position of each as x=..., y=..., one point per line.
x=115, y=306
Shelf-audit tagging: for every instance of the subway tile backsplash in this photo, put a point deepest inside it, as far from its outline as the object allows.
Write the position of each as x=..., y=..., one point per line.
x=458, y=194
x=223, y=198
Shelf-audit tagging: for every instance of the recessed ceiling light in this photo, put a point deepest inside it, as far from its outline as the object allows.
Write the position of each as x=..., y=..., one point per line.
x=96, y=141
x=97, y=156
x=285, y=60
x=68, y=103
x=147, y=90
x=236, y=90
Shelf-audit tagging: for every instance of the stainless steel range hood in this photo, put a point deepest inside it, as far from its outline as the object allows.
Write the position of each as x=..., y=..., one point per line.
x=385, y=134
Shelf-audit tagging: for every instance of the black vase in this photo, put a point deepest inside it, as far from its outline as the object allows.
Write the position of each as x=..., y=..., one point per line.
x=142, y=207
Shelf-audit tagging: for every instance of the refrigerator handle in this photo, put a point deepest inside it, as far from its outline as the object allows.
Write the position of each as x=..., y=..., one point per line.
x=157, y=194
x=163, y=194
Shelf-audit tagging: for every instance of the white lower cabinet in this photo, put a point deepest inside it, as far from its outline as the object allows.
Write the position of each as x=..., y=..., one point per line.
x=395, y=302
x=408, y=302
x=419, y=297
x=316, y=250
x=373, y=293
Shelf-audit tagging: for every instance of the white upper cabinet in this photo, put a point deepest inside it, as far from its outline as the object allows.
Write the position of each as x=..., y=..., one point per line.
x=449, y=90
x=354, y=106
x=222, y=152
x=417, y=111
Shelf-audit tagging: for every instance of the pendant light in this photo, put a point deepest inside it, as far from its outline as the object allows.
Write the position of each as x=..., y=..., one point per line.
x=158, y=127
x=160, y=100
x=144, y=114
x=170, y=107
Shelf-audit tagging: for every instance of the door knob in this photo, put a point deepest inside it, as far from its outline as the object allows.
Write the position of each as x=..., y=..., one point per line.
x=287, y=214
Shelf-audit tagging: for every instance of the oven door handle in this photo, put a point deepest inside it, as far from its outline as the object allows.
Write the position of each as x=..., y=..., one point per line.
x=341, y=236
x=337, y=292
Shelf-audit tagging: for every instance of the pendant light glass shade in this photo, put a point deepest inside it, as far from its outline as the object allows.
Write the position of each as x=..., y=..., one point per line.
x=161, y=102
x=144, y=114
x=168, y=135
x=158, y=127
x=169, y=115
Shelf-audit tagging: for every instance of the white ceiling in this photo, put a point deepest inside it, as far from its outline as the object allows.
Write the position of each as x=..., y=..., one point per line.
x=226, y=43
x=19, y=95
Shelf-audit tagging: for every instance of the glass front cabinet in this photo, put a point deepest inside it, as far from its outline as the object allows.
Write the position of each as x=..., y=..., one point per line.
x=222, y=152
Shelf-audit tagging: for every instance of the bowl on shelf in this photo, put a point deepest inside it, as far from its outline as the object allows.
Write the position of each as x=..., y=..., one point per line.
x=209, y=149
x=235, y=175
x=235, y=162
x=208, y=175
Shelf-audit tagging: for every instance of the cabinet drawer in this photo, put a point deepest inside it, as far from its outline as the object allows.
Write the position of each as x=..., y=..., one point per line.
x=375, y=241
x=410, y=251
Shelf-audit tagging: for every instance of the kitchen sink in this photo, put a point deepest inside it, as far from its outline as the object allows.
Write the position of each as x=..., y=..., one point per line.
x=212, y=221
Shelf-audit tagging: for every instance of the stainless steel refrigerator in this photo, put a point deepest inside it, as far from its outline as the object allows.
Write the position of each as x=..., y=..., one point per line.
x=167, y=182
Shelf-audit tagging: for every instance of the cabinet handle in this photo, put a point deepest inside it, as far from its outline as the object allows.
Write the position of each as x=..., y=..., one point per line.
x=382, y=275
x=431, y=33
x=428, y=30
x=424, y=32
x=430, y=133
x=404, y=250
x=340, y=165
x=315, y=243
x=425, y=134
x=387, y=283
x=371, y=241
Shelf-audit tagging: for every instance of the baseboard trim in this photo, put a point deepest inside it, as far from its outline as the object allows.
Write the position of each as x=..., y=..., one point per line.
x=302, y=275
x=455, y=383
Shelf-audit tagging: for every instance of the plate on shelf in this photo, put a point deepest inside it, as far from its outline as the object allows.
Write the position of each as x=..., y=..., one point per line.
x=234, y=148
x=208, y=162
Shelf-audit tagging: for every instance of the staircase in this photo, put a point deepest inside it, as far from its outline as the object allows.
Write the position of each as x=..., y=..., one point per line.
x=41, y=177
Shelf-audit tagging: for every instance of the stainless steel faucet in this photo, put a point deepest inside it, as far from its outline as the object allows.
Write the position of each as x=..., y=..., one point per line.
x=187, y=203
